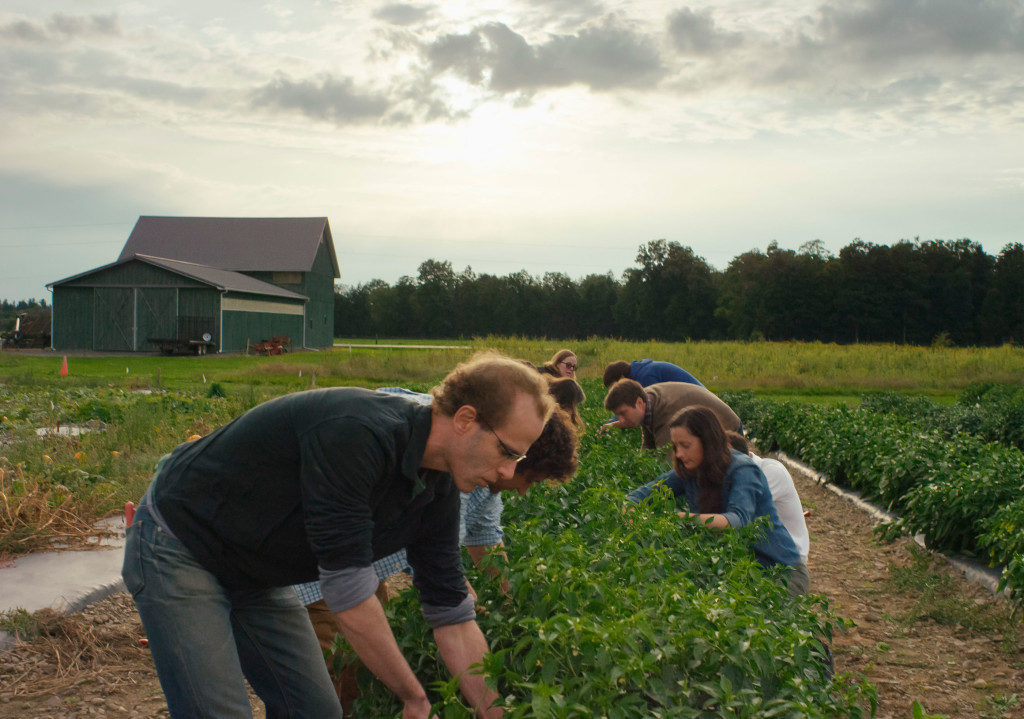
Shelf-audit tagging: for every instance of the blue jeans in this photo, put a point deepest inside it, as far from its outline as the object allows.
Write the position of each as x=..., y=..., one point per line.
x=205, y=638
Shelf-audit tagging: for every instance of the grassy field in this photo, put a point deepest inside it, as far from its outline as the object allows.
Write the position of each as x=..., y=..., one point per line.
x=813, y=372
x=149, y=404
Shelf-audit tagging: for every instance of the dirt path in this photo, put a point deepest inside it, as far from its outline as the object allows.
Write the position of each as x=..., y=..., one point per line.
x=949, y=668
x=92, y=664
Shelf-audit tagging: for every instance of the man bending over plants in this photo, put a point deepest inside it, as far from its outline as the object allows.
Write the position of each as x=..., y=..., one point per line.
x=647, y=372
x=551, y=457
x=652, y=408
x=321, y=483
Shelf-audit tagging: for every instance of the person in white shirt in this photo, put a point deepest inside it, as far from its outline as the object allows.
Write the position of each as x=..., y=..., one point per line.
x=784, y=494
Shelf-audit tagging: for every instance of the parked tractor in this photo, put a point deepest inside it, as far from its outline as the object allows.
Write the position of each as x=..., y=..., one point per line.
x=30, y=331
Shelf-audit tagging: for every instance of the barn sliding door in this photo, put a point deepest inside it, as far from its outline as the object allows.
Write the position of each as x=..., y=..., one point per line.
x=156, y=312
x=114, y=319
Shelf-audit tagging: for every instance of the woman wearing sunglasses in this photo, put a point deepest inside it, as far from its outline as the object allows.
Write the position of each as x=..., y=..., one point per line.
x=562, y=364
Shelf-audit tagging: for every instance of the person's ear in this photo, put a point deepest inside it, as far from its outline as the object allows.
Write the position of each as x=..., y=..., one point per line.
x=465, y=418
x=640, y=403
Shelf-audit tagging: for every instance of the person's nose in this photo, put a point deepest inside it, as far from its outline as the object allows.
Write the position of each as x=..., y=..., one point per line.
x=507, y=468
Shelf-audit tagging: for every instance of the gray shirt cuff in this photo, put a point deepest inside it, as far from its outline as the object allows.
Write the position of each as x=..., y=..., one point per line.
x=443, y=616
x=346, y=588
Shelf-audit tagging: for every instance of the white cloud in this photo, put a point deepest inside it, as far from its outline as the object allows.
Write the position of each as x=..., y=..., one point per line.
x=335, y=99
x=695, y=33
x=404, y=13
x=61, y=28
x=603, y=57
x=880, y=31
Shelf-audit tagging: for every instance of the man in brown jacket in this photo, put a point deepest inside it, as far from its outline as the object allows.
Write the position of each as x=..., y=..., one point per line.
x=652, y=408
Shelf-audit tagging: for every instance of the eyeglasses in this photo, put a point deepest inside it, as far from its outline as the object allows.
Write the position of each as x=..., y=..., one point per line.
x=570, y=367
x=509, y=454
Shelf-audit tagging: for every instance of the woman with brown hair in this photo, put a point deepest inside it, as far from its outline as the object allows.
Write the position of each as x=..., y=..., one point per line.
x=562, y=364
x=722, y=488
x=569, y=396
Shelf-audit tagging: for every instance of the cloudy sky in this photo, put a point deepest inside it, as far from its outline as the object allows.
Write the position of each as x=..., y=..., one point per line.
x=545, y=135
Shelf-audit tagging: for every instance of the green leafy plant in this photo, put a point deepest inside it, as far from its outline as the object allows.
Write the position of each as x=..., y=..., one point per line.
x=633, y=615
x=1000, y=705
x=918, y=712
x=19, y=623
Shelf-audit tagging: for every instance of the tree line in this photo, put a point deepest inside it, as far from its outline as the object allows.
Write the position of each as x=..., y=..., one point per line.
x=946, y=292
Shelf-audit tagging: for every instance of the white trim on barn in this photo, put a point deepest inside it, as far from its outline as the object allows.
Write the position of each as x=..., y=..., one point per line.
x=237, y=304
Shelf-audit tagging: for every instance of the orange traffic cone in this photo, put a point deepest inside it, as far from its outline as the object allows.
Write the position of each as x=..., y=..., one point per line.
x=64, y=367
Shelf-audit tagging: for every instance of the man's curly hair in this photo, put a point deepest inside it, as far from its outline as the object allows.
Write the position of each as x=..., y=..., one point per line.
x=553, y=455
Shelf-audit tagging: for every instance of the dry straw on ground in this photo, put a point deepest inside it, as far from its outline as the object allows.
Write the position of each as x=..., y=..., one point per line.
x=66, y=648
x=32, y=517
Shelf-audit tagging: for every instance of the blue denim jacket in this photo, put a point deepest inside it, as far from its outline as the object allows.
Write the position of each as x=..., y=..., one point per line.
x=746, y=496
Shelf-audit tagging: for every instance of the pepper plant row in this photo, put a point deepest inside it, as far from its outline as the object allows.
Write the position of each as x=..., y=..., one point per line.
x=632, y=614
x=965, y=495
x=992, y=412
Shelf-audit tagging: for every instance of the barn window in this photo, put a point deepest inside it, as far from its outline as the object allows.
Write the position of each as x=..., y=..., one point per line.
x=287, y=278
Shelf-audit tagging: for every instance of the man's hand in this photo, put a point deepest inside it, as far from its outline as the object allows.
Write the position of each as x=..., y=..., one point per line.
x=480, y=608
x=367, y=630
x=477, y=552
x=614, y=424
x=417, y=710
x=463, y=645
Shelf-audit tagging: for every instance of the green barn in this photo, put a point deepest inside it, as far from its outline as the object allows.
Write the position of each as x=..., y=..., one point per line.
x=205, y=283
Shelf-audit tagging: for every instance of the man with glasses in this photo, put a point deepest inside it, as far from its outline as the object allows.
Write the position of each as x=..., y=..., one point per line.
x=321, y=483
x=553, y=457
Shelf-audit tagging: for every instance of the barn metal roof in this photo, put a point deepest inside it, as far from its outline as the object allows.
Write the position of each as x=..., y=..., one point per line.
x=240, y=244
x=221, y=279
x=224, y=280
